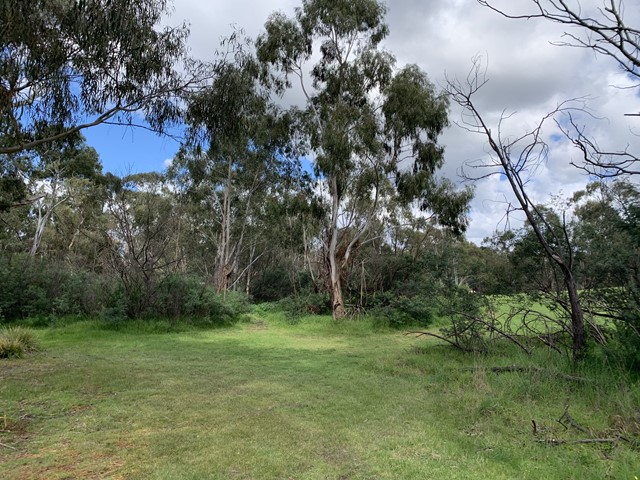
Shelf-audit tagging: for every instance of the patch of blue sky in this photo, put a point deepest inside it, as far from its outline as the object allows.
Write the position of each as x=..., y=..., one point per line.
x=124, y=150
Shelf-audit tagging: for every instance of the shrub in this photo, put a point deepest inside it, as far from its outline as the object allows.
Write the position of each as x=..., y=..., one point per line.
x=303, y=304
x=16, y=341
x=273, y=284
x=189, y=298
x=10, y=348
x=34, y=287
x=399, y=311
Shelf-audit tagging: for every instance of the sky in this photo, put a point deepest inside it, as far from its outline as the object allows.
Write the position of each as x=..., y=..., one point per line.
x=527, y=75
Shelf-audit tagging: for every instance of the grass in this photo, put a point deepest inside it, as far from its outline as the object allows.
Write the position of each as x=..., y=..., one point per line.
x=15, y=341
x=316, y=400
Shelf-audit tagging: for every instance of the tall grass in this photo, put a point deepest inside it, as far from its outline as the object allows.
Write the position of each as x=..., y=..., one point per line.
x=15, y=341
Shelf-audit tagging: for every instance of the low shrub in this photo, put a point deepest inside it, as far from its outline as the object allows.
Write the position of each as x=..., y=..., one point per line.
x=399, y=311
x=298, y=306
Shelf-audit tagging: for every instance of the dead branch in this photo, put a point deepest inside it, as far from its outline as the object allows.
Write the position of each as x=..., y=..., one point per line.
x=531, y=369
x=569, y=419
x=445, y=339
x=492, y=327
x=606, y=33
x=556, y=442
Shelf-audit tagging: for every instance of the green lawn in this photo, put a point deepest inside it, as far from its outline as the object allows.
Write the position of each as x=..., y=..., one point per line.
x=316, y=400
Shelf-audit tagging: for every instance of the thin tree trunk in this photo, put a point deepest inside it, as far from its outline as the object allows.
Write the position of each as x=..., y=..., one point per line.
x=578, y=333
x=43, y=217
x=222, y=266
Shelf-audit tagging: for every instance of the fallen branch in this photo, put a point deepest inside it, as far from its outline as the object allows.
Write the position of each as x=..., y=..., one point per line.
x=530, y=369
x=440, y=337
x=493, y=328
x=7, y=446
x=566, y=417
x=556, y=442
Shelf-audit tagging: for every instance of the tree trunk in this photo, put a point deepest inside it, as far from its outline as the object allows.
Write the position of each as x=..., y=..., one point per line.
x=223, y=268
x=578, y=334
x=337, y=303
x=45, y=208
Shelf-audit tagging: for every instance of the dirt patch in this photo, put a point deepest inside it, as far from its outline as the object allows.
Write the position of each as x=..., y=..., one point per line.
x=64, y=462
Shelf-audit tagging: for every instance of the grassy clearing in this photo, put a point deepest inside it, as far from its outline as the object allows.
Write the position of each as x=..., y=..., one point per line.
x=316, y=400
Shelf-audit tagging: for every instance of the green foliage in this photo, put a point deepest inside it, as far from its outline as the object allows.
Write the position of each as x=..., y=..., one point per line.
x=34, y=287
x=282, y=280
x=400, y=311
x=303, y=304
x=462, y=307
x=411, y=298
x=182, y=299
x=92, y=58
x=15, y=341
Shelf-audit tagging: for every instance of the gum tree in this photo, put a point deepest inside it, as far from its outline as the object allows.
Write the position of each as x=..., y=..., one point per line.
x=238, y=154
x=373, y=131
x=68, y=65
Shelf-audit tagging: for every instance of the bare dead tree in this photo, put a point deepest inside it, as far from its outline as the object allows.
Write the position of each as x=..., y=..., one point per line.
x=596, y=160
x=517, y=160
x=606, y=32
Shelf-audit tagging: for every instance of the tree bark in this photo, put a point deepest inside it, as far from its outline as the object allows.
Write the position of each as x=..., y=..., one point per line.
x=337, y=303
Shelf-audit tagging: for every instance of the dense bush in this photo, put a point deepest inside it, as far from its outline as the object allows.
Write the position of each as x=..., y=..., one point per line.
x=183, y=298
x=274, y=284
x=409, y=301
x=308, y=303
x=32, y=287
x=399, y=311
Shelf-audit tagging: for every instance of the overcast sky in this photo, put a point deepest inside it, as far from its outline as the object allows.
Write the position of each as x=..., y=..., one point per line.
x=528, y=77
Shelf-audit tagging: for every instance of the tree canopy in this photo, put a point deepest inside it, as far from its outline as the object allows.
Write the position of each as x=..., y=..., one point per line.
x=69, y=65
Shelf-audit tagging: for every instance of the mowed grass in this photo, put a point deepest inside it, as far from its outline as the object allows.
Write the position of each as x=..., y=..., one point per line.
x=316, y=400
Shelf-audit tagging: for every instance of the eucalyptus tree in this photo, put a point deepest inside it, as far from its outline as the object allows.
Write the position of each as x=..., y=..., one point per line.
x=238, y=152
x=57, y=164
x=373, y=131
x=69, y=65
